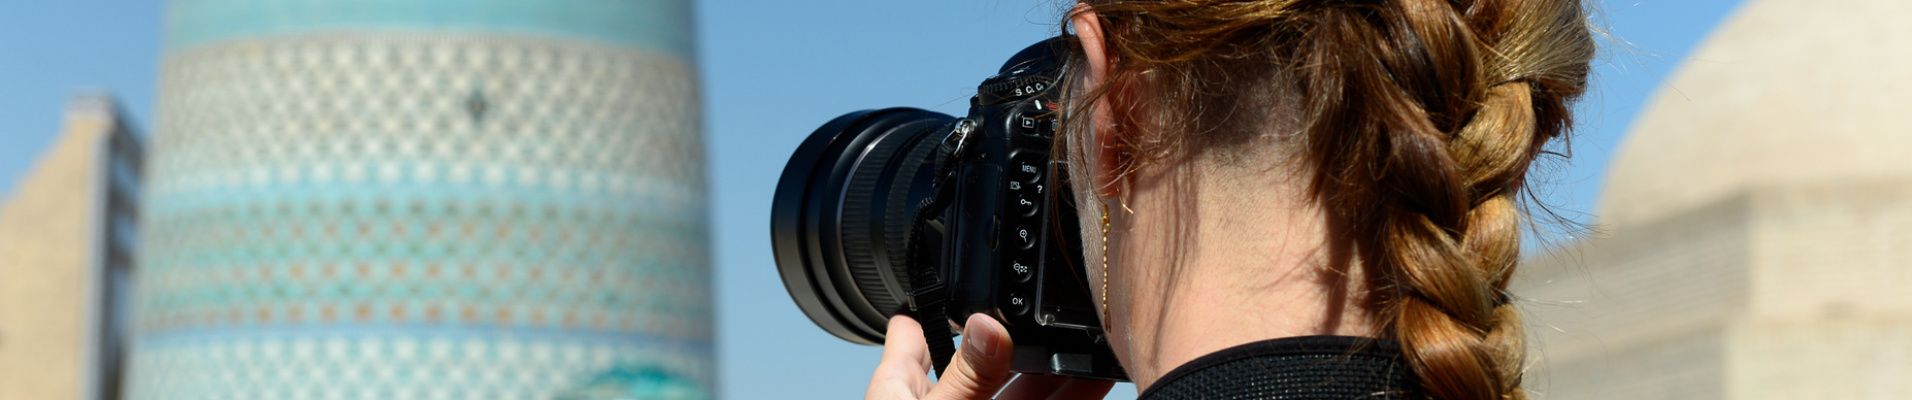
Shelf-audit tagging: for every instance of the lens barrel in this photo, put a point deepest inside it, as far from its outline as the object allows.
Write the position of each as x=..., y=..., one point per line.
x=843, y=213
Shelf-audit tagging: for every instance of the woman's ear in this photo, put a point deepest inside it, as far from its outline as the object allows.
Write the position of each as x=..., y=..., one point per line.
x=1104, y=165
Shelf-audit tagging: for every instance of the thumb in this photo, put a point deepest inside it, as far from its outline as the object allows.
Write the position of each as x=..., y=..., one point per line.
x=982, y=367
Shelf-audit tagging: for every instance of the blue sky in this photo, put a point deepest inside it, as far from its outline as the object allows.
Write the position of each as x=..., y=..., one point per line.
x=772, y=71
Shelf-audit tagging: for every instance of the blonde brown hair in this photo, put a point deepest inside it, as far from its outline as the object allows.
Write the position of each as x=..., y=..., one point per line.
x=1418, y=122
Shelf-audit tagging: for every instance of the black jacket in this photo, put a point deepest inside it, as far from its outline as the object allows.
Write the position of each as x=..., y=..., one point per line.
x=1309, y=367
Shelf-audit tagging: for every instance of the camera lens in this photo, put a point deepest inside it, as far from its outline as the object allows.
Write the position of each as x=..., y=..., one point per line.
x=843, y=213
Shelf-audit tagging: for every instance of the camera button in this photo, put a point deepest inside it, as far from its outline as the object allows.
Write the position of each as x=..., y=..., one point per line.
x=1021, y=270
x=1026, y=206
x=1033, y=124
x=1027, y=124
x=1026, y=168
x=1025, y=237
x=1016, y=305
x=1018, y=186
x=1033, y=118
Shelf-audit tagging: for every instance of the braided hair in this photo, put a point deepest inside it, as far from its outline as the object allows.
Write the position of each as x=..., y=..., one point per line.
x=1417, y=122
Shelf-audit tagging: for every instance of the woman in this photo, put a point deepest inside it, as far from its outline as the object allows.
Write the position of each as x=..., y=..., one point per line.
x=1297, y=198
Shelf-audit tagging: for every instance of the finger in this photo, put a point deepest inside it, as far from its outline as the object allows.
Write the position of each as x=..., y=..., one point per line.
x=981, y=367
x=903, y=344
x=904, y=371
x=1032, y=386
x=1082, y=389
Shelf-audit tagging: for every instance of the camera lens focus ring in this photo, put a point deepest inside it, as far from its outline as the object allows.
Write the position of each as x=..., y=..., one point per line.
x=898, y=211
x=883, y=281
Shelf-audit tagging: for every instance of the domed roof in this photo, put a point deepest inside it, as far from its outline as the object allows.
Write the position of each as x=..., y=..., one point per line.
x=1785, y=91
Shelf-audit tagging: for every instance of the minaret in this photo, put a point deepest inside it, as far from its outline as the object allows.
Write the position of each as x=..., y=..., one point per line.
x=388, y=199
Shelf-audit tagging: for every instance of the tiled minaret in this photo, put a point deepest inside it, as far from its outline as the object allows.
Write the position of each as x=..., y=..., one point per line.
x=453, y=199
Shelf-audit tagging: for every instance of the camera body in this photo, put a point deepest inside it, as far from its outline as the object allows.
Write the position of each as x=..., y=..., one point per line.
x=902, y=210
x=1011, y=247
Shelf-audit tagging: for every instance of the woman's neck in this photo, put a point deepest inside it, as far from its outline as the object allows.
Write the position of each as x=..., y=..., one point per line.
x=1219, y=259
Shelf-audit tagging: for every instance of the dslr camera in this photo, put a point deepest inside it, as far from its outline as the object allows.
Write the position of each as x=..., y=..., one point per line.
x=907, y=211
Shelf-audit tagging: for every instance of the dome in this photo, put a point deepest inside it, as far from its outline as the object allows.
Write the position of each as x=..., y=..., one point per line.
x=1785, y=91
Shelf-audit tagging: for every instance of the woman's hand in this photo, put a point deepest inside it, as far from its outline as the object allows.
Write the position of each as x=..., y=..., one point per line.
x=978, y=370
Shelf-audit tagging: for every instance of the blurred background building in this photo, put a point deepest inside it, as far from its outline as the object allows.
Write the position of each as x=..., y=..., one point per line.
x=765, y=73
x=67, y=236
x=425, y=199
x=1758, y=223
x=1755, y=217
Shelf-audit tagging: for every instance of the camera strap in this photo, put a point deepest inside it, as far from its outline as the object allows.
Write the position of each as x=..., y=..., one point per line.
x=929, y=298
x=932, y=313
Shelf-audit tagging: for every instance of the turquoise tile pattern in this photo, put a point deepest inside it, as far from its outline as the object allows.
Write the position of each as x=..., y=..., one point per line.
x=662, y=26
x=452, y=211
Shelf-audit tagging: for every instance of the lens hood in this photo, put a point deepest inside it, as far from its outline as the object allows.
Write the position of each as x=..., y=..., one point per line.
x=834, y=217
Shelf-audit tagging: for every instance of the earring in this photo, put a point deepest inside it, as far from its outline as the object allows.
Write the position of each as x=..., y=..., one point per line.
x=1105, y=264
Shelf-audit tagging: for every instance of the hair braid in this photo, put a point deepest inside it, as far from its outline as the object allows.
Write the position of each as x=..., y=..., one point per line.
x=1421, y=118
x=1454, y=156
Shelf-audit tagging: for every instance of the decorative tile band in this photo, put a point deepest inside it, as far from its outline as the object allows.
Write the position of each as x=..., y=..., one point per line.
x=659, y=26
x=410, y=364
